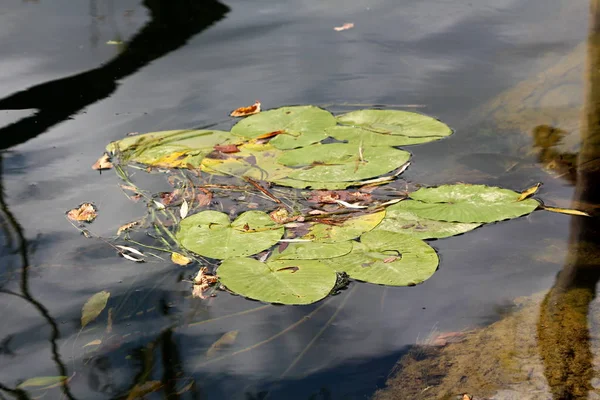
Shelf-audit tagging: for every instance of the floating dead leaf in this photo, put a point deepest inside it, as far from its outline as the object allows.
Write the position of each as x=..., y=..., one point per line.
x=180, y=259
x=245, y=111
x=346, y=26
x=125, y=252
x=103, y=163
x=93, y=307
x=349, y=205
x=202, y=282
x=204, y=198
x=567, y=211
x=269, y=135
x=227, y=148
x=282, y=216
x=114, y=42
x=96, y=342
x=126, y=227
x=168, y=198
x=226, y=340
x=86, y=212
x=140, y=390
x=159, y=205
x=390, y=259
x=529, y=192
x=183, y=211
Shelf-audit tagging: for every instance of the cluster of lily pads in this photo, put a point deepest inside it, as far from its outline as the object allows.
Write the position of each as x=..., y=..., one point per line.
x=308, y=147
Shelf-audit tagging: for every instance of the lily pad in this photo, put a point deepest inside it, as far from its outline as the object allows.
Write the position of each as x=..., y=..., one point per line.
x=302, y=125
x=282, y=281
x=346, y=230
x=400, y=219
x=394, y=122
x=171, y=149
x=468, y=203
x=342, y=162
x=388, y=258
x=368, y=138
x=212, y=234
x=312, y=251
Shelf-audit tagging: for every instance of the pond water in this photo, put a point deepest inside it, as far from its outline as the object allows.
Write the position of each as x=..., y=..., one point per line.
x=65, y=93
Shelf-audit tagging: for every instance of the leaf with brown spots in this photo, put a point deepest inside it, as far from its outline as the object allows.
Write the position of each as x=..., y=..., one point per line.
x=86, y=212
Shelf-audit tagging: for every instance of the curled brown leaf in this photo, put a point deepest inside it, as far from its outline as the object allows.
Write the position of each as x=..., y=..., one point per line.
x=86, y=212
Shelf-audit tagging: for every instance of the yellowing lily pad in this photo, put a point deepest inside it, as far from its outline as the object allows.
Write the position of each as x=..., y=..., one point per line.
x=212, y=234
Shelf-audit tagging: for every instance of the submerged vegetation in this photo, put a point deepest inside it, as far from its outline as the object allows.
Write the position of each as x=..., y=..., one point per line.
x=359, y=217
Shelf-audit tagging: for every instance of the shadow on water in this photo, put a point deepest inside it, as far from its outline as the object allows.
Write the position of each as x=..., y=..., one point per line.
x=564, y=338
x=171, y=25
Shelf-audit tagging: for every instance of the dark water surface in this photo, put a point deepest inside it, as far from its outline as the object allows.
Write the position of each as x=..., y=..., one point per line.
x=65, y=93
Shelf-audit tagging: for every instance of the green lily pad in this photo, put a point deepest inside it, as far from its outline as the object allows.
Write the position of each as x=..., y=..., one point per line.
x=388, y=258
x=171, y=149
x=212, y=234
x=339, y=162
x=393, y=122
x=303, y=125
x=282, y=281
x=312, y=251
x=468, y=203
x=400, y=219
x=368, y=138
x=347, y=230
x=298, y=184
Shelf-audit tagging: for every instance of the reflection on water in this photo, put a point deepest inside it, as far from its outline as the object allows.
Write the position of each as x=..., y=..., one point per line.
x=564, y=338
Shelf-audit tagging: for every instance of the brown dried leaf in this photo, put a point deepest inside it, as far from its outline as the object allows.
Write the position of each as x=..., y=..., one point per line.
x=245, y=111
x=390, y=259
x=346, y=26
x=126, y=227
x=282, y=216
x=86, y=212
x=269, y=135
x=202, y=282
x=204, y=198
x=103, y=163
x=567, y=211
x=227, y=148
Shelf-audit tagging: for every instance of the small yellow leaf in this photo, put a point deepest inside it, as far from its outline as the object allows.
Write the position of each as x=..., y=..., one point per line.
x=93, y=307
x=245, y=111
x=96, y=342
x=180, y=259
x=42, y=381
x=183, y=211
x=226, y=340
x=529, y=192
x=567, y=211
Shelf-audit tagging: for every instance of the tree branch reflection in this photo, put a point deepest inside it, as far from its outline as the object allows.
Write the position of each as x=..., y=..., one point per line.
x=172, y=24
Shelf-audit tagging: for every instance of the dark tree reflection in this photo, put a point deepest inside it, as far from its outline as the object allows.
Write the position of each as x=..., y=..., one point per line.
x=564, y=338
